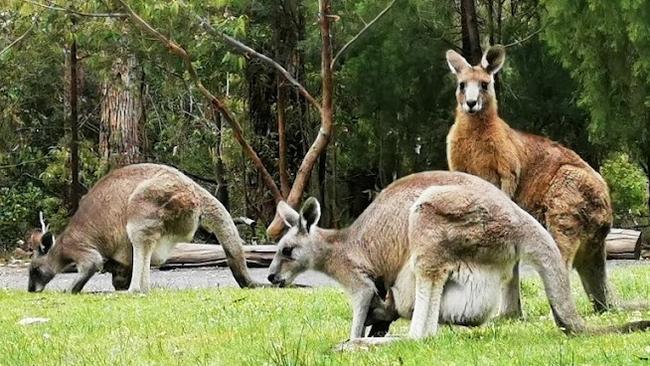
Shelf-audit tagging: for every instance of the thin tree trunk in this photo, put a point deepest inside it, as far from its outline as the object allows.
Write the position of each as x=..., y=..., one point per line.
x=491, y=20
x=75, y=188
x=219, y=168
x=121, y=114
x=322, y=185
x=647, y=174
x=285, y=186
x=493, y=41
x=470, y=33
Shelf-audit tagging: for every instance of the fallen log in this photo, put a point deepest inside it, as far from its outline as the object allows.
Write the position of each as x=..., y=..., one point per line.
x=200, y=255
x=623, y=244
x=620, y=244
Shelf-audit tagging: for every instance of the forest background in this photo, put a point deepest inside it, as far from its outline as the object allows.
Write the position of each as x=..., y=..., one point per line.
x=85, y=88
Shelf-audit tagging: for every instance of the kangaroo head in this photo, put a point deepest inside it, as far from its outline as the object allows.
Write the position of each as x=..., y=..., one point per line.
x=300, y=246
x=475, y=91
x=41, y=270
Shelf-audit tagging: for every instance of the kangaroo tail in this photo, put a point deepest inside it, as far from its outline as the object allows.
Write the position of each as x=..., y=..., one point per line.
x=216, y=219
x=543, y=253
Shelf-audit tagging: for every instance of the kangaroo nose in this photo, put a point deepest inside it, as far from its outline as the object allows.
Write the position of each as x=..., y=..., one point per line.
x=471, y=103
x=271, y=278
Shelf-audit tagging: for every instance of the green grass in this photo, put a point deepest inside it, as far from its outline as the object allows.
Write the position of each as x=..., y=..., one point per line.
x=291, y=327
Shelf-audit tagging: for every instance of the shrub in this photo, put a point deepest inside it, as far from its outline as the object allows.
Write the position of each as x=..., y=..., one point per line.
x=19, y=207
x=628, y=186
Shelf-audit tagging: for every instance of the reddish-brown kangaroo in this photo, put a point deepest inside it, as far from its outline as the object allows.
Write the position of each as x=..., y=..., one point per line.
x=548, y=180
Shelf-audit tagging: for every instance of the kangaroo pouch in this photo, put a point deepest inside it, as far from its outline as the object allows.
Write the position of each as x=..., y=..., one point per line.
x=471, y=296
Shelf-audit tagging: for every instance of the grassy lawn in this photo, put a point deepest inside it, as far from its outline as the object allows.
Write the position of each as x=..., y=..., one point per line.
x=291, y=327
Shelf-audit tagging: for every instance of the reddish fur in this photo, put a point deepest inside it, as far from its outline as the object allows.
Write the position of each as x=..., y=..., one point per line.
x=548, y=180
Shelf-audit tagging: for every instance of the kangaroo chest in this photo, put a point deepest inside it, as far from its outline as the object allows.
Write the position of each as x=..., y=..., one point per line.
x=475, y=152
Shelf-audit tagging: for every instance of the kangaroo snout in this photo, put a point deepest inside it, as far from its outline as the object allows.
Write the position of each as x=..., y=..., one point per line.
x=276, y=280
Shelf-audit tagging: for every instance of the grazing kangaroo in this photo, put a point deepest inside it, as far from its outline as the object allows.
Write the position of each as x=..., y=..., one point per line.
x=549, y=181
x=444, y=243
x=130, y=219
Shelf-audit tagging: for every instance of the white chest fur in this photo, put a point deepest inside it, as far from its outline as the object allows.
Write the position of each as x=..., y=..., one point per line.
x=471, y=296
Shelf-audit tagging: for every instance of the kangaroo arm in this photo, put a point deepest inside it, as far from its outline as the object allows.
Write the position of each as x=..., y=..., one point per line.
x=509, y=176
x=361, y=300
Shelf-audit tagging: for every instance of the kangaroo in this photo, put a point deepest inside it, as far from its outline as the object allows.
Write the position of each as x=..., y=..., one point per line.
x=444, y=243
x=547, y=180
x=130, y=219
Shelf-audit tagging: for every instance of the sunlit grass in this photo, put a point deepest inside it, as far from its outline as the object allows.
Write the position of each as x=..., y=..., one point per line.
x=291, y=327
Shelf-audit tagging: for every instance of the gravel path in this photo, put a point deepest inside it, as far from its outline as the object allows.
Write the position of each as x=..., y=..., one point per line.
x=15, y=277
x=185, y=278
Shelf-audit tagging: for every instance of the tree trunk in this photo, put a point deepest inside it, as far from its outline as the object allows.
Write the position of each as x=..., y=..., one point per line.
x=121, y=114
x=493, y=40
x=647, y=174
x=470, y=33
x=285, y=186
x=219, y=168
x=75, y=188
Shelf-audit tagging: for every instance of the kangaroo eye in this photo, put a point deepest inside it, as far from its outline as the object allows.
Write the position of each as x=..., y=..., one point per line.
x=286, y=251
x=485, y=85
x=462, y=85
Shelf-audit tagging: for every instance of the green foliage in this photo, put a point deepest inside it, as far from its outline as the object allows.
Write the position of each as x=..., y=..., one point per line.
x=628, y=186
x=606, y=47
x=394, y=97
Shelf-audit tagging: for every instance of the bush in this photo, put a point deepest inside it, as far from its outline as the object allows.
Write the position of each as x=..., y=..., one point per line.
x=628, y=186
x=19, y=207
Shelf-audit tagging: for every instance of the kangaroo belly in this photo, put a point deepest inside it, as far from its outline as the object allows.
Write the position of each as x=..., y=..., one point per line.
x=471, y=296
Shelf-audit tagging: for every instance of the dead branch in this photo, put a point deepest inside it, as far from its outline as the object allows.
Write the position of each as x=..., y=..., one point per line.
x=15, y=42
x=327, y=124
x=249, y=52
x=518, y=42
x=361, y=33
x=217, y=103
x=79, y=13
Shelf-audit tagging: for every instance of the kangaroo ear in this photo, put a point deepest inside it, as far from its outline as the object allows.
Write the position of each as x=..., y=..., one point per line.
x=456, y=62
x=290, y=216
x=309, y=214
x=47, y=242
x=493, y=59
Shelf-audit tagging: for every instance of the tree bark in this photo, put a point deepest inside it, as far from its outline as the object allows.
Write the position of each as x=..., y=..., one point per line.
x=647, y=174
x=75, y=188
x=285, y=186
x=470, y=33
x=219, y=169
x=121, y=114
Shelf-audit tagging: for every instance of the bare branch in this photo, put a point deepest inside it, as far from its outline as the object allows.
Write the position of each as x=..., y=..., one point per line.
x=248, y=52
x=44, y=227
x=361, y=33
x=326, y=115
x=6, y=49
x=79, y=13
x=518, y=42
x=217, y=103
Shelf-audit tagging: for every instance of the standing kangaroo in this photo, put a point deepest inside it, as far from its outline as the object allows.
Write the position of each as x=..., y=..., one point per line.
x=132, y=218
x=546, y=179
x=444, y=243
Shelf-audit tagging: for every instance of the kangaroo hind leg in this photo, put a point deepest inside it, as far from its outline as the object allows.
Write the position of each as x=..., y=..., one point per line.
x=145, y=235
